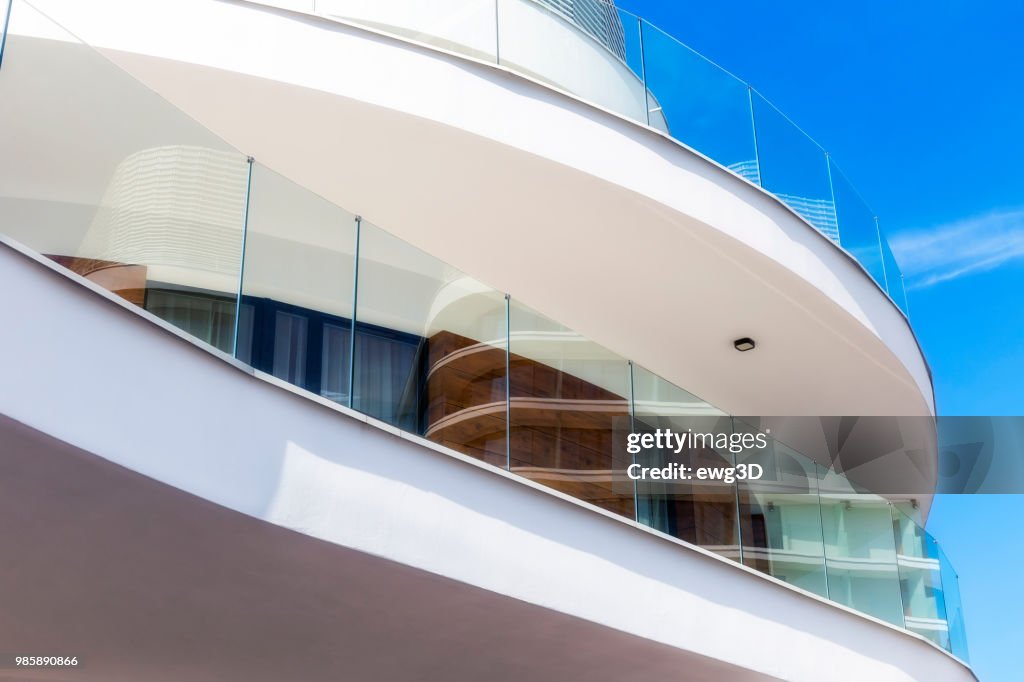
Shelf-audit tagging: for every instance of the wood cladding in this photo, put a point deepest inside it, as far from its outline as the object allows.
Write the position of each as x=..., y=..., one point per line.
x=465, y=396
x=127, y=281
x=563, y=434
x=562, y=427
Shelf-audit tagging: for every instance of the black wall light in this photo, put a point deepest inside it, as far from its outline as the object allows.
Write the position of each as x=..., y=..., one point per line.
x=744, y=344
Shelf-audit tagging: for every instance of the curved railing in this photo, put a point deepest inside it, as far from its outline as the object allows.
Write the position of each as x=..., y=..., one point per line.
x=619, y=61
x=160, y=211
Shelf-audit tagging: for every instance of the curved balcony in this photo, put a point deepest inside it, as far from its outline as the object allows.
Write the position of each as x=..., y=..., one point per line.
x=475, y=150
x=177, y=222
x=623, y=63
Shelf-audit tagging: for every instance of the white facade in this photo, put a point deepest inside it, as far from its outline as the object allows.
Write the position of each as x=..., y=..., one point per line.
x=471, y=184
x=334, y=475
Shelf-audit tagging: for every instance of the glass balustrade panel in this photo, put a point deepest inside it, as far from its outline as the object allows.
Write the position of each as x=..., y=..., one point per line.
x=794, y=167
x=780, y=512
x=685, y=432
x=116, y=184
x=894, y=277
x=430, y=348
x=857, y=225
x=698, y=103
x=569, y=412
x=295, y=321
x=860, y=549
x=924, y=606
x=954, y=608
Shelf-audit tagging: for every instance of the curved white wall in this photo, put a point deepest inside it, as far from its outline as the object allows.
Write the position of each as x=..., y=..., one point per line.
x=254, y=446
x=614, y=230
x=533, y=39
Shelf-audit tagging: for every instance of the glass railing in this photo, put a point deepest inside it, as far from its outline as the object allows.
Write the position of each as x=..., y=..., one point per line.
x=153, y=207
x=609, y=57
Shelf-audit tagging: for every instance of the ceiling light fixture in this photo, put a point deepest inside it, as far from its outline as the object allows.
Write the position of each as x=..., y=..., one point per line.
x=744, y=344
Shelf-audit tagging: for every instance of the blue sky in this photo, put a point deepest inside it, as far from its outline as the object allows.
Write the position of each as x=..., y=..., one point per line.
x=922, y=105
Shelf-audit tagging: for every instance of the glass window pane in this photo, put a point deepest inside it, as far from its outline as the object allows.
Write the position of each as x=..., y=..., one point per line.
x=334, y=362
x=698, y=103
x=699, y=512
x=246, y=316
x=589, y=48
x=780, y=515
x=794, y=167
x=210, y=318
x=569, y=412
x=430, y=348
x=297, y=282
x=860, y=549
x=149, y=200
x=290, y=347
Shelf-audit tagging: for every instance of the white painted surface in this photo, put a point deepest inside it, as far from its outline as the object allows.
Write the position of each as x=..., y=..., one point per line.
x=92, y=371
x=615, y=231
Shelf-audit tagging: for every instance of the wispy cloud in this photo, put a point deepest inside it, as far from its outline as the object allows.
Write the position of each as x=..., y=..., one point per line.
x=938, y=254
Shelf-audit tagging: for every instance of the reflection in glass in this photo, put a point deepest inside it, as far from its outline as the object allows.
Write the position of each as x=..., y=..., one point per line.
x=430, y=348
x=794, y=167
x=334, y=361
x=297, y=286
x=860, y=549
x=290, y=347
x=780, y=517
x=858, y=227
x=954, y=608
x=569, y=412
x=150, y=205
x=924, y=605
x=209, y=318
x=700, y=512
x=698, y=103
x=894, y=278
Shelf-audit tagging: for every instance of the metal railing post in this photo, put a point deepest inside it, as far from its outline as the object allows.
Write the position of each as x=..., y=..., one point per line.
x=3, y=37
x=736, y=497
x=632, y=429
x=241, y=260
x=508, y=382
x=643, y=71
x=821, y=521
x=881, y=254
x=497, y=34
x=832, y=190
x=753, y=130
x=355, y=305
